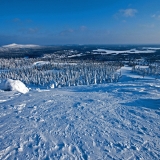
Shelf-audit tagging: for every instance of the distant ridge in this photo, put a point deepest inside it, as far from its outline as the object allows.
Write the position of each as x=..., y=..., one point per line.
x=14, y=45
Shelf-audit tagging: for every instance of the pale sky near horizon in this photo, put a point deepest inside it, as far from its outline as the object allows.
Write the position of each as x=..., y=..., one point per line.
x=50, y=22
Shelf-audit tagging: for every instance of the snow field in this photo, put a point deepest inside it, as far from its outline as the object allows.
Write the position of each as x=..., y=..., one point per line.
x=110, y=121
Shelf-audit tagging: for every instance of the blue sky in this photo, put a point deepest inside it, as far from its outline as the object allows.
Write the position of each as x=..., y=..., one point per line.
x=49, y=22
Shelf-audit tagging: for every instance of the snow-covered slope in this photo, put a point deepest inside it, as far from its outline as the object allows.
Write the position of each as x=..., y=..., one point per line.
x=109, y=121
x=14, y=45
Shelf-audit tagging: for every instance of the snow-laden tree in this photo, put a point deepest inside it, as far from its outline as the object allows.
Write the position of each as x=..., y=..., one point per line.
x=59, y=73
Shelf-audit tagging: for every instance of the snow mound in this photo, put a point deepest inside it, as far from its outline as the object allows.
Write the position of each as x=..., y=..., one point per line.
x=13, y=85
x=14, y=45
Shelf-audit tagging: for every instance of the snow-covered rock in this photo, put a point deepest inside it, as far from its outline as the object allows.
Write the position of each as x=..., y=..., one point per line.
x=52, y=85
x=13, y=85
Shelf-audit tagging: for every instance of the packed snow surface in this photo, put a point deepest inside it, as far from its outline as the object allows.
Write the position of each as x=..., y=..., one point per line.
x=108, y=121
x=13, y=85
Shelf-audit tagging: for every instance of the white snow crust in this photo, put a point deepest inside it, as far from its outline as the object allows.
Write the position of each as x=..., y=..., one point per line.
x=13, y=85
x=109, y=121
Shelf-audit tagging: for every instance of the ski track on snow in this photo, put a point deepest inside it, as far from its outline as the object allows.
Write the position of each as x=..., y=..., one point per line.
x=110, y=121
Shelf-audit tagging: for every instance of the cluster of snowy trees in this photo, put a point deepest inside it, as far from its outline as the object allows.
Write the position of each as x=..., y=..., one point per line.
x=59, y=74
x=152, y=70
x=13, y=63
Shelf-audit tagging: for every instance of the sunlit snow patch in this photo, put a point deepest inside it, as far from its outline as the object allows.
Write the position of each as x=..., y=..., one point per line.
x=76, y=55
x=40, y=63
x=13, y=85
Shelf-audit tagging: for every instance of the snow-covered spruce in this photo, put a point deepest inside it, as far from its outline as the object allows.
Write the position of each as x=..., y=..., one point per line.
x=62, y=74
x=151, y=70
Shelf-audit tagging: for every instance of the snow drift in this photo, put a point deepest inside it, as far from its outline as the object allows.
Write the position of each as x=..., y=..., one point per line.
x=13, y=85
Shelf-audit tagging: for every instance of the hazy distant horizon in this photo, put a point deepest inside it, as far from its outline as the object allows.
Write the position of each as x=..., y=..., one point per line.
x=140, y=44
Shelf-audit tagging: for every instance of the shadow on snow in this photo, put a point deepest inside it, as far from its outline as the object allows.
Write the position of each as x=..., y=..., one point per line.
x=145, y=103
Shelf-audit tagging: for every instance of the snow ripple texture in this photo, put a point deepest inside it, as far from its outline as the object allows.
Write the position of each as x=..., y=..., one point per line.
x=112, y=121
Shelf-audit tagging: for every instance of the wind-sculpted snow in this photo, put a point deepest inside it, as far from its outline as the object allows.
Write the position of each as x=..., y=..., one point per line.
x=13, y=85
x=110, y=121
